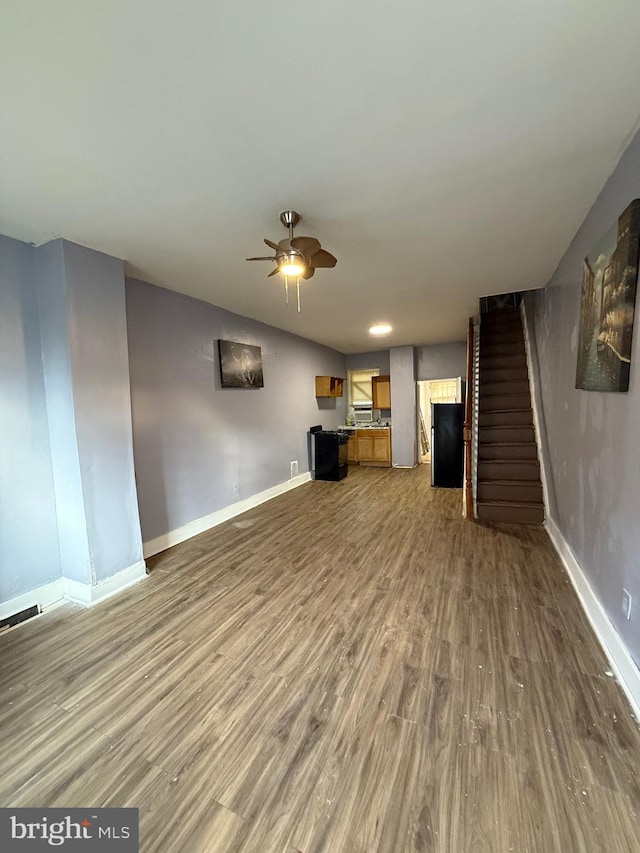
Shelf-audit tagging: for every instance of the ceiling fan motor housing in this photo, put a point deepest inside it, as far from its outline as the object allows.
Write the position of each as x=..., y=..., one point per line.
x=290, y=218
x=289, y=255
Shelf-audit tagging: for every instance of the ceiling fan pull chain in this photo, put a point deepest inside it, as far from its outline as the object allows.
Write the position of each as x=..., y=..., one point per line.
x=298, y=291
x=286, y=290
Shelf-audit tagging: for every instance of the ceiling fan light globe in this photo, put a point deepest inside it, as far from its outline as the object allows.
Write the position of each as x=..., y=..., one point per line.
x=292, y=269
x=292, y=264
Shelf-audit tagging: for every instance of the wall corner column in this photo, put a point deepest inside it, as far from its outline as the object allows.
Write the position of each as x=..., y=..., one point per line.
x=404, y=438
x=81, y=303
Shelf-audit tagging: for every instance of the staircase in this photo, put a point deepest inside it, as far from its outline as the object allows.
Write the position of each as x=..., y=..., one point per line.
x=509, y=486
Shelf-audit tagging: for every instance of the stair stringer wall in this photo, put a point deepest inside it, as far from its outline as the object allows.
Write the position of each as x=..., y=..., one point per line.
x=540, y=430
x=474, y=412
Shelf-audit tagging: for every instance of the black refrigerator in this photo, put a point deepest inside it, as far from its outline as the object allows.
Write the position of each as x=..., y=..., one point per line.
x=447, y=447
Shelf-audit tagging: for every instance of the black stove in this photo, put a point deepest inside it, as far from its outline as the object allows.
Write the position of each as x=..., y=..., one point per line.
x=331, y=454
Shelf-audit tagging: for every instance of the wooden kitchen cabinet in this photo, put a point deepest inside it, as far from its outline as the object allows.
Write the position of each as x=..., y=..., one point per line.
x=373, y=447
x=352, y=450
x=329, y=386
x=381, y=392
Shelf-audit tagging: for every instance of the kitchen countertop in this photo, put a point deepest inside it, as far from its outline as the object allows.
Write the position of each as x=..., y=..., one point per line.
x=345, y=428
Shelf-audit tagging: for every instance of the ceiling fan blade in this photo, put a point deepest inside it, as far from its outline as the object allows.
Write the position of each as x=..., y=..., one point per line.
x=276, y=270
x=272, y=245
x=309, y=272
x=261, y=259
x=307, y=245
x=324, y=259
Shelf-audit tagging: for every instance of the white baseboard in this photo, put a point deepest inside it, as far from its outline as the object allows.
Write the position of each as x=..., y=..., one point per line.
x=43, y=597
x=88, y=595
x=622, y=664
x=65, y=589
x=206, y=522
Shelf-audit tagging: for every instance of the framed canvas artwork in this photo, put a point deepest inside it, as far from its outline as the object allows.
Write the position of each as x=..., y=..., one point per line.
x=240, y=365
x=609, y=281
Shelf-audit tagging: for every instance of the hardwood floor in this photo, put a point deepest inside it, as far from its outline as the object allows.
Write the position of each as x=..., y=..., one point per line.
x=350, y=668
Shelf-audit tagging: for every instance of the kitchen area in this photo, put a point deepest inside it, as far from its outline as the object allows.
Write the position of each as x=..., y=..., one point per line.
x=365, y=437
x=368, y=425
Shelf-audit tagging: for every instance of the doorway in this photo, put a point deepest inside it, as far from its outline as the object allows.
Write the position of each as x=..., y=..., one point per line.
x=433, y=391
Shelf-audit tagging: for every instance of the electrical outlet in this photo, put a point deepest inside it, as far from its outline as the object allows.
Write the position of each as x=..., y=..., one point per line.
x=626, y=603
x=236, y=488
x=294, y=468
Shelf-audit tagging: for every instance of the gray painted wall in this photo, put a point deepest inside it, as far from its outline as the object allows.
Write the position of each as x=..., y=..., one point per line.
x=441, y=361
x=433, y=361
x=592, y=437
x=369, y=360
x=29, y=555
x=194, y=439
x=403, y=406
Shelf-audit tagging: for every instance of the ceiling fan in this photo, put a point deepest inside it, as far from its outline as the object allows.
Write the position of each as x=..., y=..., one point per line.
x=297, y=257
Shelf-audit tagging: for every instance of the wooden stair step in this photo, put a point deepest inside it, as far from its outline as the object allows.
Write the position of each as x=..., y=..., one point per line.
x=501, y=362
x=511, y=450
x=501, y=318
x=511, y=513
x=493, y=321
x=509, y=433
x=506, y=387
x=525, y=491
x=501, y=336
x=493, y=349
x=506, y=417
x=501, y=403
x=508, y=469
x=500, y=329
x=506, y=373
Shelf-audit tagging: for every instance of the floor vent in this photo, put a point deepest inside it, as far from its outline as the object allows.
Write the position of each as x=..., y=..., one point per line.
x=17, y=618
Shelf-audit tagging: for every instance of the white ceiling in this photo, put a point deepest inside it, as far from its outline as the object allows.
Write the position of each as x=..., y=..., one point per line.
x=441, y=150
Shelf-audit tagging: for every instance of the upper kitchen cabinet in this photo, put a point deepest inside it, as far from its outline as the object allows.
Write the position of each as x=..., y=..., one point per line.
x=329, y=386
x=381, y=392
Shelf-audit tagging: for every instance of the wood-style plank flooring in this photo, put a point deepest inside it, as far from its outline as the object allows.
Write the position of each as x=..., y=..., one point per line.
x=349, y=668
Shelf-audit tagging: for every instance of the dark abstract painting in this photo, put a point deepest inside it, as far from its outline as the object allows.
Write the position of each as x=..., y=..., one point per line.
x=240, y=365
x=609, y=280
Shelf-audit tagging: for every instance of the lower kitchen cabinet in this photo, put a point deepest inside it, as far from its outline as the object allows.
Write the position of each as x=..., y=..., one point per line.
x=373, y=447
x=352, y=451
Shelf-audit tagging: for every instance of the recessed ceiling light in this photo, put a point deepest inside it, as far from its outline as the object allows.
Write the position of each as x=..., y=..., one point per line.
x=380, y=329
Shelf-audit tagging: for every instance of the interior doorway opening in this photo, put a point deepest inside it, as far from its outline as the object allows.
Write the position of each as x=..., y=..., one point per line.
x=433, y=391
